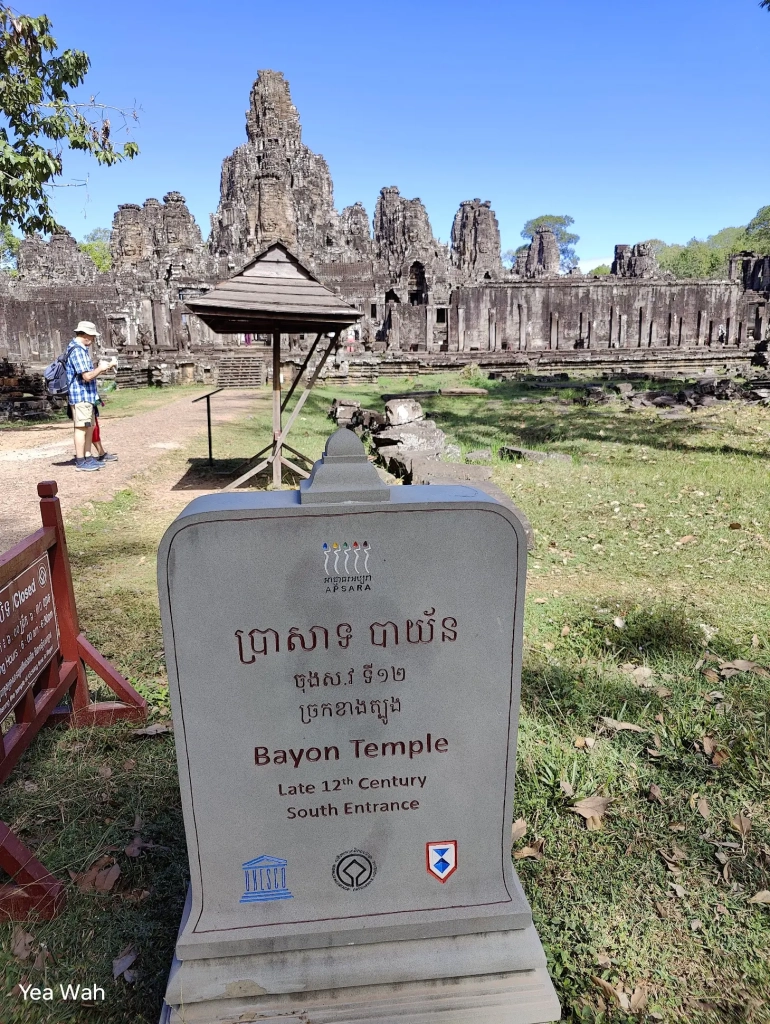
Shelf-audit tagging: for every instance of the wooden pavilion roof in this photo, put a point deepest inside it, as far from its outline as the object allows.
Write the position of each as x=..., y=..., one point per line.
x=273, y=292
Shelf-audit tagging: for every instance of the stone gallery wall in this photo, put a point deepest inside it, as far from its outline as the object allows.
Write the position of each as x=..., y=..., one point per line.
x=417, y=295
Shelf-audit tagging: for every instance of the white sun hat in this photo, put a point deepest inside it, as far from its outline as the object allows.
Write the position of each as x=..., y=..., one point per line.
x=86, y=327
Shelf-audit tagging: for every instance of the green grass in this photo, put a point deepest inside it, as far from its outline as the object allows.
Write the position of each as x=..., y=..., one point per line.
x=612, y=583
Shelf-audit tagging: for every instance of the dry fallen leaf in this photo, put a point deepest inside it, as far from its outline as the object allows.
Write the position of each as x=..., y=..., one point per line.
x=123, y=961
x=696, y=924
x=741, y=824
x=137, y=895
x=638, y=999
x=592, y=808
x=606, y=988
x=711, y=675
x=603, y=961
x=618, y=622
x=703, y=808
x=518, y=830
x=642, y=674
x=678, y=889
x=129, y=765
x=739, y=665
x=590, y=741
x=565, y=630
x=541, y=600
x=154, y=730
x=107, y=878
x=42, y=959
x=100, y=877
x=612, y=723
x=763, y=896
x=708, y=745
x=580, y=742
x=655, y=794
x=566, y=788
x=136, y=846
x=21, y=943
x=686, y=540
x=719, y=758
x=105, y=771
x=535, y=851
x=30, y=787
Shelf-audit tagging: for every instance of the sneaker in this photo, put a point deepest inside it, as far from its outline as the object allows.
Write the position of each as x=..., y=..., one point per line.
x=106, y=457
x=87, y=465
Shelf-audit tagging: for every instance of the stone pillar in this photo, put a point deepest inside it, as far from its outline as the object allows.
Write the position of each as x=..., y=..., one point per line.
x=395, y=329
x=653, y=334
x=492, y=329
x=623, y=330
x=461, y=328
x=522, y=328
x=430, y=319
x=553, y=340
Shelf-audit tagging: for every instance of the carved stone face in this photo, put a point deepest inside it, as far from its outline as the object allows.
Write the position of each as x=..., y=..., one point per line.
x=131, y=241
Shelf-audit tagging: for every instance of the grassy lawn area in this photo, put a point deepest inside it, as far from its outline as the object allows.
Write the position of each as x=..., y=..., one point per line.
x=646, y=685
x=125, y=402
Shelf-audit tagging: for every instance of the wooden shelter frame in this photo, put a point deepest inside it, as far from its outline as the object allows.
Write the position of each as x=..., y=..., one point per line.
x=275, y=293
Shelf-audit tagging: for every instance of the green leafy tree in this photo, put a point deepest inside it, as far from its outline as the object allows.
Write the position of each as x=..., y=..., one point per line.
x=38, y=120
x=509, y=256
x=701, y=258
x=757, y=235
x=9, y=249
x=602, y=270
x=97, y=245
x=564, y=237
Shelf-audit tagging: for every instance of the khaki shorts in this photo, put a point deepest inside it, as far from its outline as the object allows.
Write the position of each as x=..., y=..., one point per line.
x=83, y=414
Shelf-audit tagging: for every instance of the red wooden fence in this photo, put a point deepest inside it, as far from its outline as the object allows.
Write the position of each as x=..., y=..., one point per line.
x=43, y=655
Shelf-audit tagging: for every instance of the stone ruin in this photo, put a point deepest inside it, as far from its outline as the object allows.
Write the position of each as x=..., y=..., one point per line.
x=426, y=305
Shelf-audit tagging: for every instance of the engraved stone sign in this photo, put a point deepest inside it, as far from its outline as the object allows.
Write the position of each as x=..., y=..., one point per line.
x=344, y=664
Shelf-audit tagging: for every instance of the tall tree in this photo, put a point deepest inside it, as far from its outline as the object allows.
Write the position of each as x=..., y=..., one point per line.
x=9, y=249
x=96, y=244
x=758, y=229
x=38, y=120
x=565, y=238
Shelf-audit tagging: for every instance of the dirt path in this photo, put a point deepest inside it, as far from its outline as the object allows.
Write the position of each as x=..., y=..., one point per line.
x=46, y=453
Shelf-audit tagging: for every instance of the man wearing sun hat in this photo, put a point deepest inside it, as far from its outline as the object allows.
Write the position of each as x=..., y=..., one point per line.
x=83, y=395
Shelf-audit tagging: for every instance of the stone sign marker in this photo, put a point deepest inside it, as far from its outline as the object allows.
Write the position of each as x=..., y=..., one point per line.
x=344, y=664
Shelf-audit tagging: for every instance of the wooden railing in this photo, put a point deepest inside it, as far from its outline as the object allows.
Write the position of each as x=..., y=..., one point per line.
x=42, y=663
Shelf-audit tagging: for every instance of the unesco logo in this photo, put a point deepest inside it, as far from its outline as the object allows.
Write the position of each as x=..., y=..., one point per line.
x=354, y=870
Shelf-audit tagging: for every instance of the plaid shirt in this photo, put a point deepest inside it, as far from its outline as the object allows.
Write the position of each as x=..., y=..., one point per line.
x=78, y=363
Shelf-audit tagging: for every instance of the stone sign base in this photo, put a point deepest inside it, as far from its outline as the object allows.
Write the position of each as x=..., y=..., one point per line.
x=485, y=978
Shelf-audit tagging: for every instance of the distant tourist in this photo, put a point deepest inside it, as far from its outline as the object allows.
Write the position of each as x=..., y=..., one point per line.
x=83, y=396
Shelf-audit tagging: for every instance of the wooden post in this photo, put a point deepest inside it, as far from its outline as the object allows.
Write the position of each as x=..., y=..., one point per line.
x=63, y=592
x=277, y=409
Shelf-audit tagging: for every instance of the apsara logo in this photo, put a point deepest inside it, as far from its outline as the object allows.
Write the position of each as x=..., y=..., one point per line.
x=345, y=559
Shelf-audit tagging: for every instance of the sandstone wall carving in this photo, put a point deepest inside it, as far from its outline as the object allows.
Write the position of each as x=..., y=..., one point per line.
x=417, y=294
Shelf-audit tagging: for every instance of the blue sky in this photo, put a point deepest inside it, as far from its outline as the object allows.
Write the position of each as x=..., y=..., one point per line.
x=645, y=119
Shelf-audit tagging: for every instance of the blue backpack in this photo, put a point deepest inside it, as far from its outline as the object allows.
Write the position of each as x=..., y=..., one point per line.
x=55, y=375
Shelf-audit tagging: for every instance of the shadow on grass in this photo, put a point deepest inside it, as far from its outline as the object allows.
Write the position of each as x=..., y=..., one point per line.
x=582, y=423
x=220, y=473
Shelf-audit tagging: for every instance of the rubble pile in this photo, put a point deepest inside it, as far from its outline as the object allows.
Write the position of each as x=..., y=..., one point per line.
x=22, y=395
x=413, y=449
